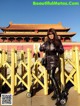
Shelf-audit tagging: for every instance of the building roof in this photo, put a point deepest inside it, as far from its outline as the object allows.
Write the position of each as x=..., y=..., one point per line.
x=70, y=34
x=24, y=30
x=34, y=27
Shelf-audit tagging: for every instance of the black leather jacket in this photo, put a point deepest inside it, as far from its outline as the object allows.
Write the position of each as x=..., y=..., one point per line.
x=52, y=53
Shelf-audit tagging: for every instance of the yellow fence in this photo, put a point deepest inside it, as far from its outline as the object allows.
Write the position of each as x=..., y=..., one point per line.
x=17, y=68
x=14, y=70
x=71, y=69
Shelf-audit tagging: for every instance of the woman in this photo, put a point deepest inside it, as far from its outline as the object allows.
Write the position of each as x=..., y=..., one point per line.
x=52, y=49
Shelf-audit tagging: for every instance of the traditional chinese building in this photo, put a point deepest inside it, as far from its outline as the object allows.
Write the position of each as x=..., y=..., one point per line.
x=23, y=36
x=33, y=32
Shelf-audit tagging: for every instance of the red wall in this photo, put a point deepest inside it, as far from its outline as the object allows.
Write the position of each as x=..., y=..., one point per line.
x=24, y=46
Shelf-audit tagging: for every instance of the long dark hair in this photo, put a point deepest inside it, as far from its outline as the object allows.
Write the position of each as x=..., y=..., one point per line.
x=56, y=39
x=52, y=31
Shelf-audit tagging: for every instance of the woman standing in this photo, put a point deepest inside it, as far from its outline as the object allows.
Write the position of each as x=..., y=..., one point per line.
x=52, y=49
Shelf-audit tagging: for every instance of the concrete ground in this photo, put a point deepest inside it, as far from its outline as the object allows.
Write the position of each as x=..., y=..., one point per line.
x=39, y=99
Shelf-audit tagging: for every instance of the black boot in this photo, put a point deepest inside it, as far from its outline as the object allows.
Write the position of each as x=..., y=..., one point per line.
x=54, y=96
x=58, y=102
x=64, y=95
x=63, y=99
x=61, y=102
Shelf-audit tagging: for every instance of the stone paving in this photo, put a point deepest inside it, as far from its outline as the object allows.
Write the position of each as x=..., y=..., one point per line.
x=39, y=99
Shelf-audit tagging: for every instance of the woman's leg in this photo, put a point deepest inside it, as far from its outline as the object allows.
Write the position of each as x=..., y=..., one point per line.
x=55, y=82
x=68, y=86
x=66, y=89
x=60, y=100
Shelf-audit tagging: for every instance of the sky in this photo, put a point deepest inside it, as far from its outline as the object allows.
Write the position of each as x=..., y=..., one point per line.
x=24, y=12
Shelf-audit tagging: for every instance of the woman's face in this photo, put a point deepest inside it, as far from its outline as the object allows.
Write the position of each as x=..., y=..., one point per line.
x=51, y=36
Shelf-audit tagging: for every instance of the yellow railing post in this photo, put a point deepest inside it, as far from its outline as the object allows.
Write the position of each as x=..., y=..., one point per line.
x=22, y=59
x=45, y=82
x=74, y=62
x=15, y=71
x=75, y=81
x=62, y=71
x=36, y=66
x=15, y=58
x=4, y=71
x=29, y=69
x=22, y=67
x=77, y=68
x=0, y=70
x=73, y=55
x=12, y=71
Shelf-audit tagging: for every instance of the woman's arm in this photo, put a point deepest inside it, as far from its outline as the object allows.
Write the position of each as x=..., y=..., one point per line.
x=42, y=47
x=60, y=49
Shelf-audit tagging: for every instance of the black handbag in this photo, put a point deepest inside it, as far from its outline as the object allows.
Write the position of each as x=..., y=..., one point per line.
x=44, y=61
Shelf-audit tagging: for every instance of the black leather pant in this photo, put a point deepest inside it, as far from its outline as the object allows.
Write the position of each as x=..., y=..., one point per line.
x=55, y=83
x=68, y=86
